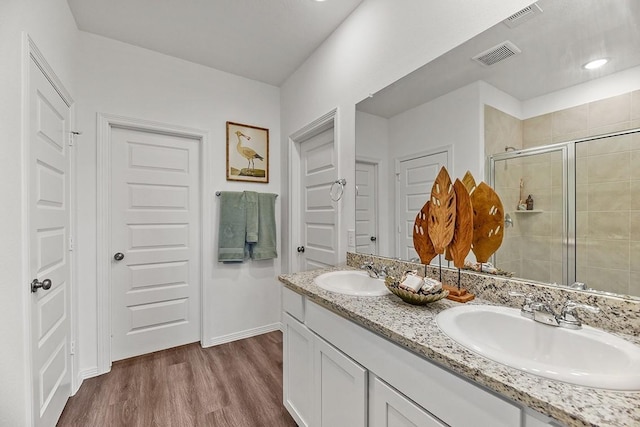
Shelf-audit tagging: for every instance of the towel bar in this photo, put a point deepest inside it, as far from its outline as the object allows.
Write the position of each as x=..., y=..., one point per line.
x=219, y=192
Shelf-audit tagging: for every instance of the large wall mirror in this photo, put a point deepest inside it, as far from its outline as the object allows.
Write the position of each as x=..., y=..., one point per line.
x=516, y=106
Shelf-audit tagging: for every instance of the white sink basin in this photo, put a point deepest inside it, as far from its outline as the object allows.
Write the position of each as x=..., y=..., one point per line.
x=351, y=282
x=587, y=357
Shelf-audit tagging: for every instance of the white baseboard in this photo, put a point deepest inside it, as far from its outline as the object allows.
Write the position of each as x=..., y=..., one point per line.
x=83, y=375
x=248, y=333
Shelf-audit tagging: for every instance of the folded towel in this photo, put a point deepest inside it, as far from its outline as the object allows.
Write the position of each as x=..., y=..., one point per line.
x=265, y=247
x=251, y=207
x=232, y=227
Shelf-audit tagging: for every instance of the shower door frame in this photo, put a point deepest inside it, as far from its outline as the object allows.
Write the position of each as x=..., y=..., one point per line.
x=568, y=152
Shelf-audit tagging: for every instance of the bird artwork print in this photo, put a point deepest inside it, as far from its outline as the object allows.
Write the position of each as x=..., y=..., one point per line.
x=249, y=161
x=246, y=152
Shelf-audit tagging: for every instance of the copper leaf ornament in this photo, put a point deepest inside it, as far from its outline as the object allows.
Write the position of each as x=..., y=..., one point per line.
x=442, y=211
x=463, y=236
x=488, y=222
x=421, y=241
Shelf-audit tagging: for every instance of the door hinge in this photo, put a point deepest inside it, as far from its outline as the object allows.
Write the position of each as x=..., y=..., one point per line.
x=70, y=243
x=72, y=137
x=398, y=177
x=72, y=349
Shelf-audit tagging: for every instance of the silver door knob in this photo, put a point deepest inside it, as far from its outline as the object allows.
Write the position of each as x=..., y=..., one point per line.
x=45, y=285
x=119, y=256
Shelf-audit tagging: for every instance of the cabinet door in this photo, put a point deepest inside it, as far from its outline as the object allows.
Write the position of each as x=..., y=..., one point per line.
x=340, y=388
x=297, y=374
x=389, y=408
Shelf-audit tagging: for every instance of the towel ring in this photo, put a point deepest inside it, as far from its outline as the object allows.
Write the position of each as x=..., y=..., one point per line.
x=337, y=195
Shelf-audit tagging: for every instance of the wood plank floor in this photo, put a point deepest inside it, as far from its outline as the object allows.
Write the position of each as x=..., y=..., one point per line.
x=238, y=384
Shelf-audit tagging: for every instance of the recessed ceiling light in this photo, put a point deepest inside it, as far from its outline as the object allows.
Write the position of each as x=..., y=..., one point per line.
x=592, y=65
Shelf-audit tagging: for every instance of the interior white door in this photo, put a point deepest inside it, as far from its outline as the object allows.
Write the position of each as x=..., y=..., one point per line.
x=155, y=242
x=414, y=181
x=49, y=219
x=319, y=235
x=366, y=199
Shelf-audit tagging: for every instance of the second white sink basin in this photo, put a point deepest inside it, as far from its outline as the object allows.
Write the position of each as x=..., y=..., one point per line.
x=351, y=282
x=587, y=357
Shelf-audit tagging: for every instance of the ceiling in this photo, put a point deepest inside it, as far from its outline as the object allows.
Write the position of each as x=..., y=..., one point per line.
x=264, y=40
x=555, y=44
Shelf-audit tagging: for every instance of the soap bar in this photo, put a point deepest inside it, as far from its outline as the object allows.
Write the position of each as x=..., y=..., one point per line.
x=431, y=286
x=412, y=283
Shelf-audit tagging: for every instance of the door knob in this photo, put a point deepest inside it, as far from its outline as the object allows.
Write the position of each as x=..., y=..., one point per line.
x=300, y=248
x=45, y=285
x=119, y=256
x=374, y=238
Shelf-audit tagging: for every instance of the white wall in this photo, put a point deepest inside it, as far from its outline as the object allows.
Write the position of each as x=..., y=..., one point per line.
x=594, y=90
x=51, y=26
x=377, y=44
x=117, y=78
x=372, y=143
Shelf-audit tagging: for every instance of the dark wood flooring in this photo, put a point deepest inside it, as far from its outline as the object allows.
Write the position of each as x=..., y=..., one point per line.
x=238, y=384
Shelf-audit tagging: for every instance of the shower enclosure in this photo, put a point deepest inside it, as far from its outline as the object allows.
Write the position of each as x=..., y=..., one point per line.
x=584, y=225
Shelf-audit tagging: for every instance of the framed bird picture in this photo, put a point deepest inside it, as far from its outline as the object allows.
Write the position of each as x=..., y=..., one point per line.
x=247, y=153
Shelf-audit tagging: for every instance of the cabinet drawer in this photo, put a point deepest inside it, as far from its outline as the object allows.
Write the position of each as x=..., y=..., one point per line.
x=388, y=408
x=293, y=303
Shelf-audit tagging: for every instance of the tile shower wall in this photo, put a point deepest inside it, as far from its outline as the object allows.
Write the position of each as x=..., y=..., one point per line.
x=501, y=131
x=607, y=193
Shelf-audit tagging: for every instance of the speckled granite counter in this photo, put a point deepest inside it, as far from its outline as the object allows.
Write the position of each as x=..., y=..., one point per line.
x=414, y=328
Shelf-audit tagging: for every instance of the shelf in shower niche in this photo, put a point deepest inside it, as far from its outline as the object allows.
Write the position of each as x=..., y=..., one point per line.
x=531, y=211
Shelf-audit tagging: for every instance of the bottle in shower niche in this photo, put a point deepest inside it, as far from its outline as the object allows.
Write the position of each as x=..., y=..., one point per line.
x=529, y=203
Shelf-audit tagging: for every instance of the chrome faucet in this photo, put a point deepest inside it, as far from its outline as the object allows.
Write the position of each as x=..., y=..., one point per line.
x=569, y=318
x=375, y=273
x=540, y=311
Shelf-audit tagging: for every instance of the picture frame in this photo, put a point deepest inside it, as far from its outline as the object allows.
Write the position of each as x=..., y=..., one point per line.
x=247, y=153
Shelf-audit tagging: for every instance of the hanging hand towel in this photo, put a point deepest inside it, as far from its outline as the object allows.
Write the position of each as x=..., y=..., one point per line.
x=265, y=248
x=232, y=227
x=251, y=207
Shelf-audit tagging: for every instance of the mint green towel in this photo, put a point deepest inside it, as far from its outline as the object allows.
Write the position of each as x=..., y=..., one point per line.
x=251, y=207
x=265, y=247
x=232, y=227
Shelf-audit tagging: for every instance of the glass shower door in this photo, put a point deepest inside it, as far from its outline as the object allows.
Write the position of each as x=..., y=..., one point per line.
x=537, y=235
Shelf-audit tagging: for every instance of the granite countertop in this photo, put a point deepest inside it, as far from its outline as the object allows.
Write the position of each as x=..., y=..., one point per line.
x=415, y=328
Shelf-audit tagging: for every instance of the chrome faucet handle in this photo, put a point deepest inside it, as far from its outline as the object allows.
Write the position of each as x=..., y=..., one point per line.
x=569, y=318
x=526, y=309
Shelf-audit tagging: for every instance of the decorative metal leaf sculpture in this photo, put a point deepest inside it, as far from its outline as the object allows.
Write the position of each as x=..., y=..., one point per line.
x=469, y=182
x=463, y=236
x=421, y=241
x=442, y=211
x=488, y=222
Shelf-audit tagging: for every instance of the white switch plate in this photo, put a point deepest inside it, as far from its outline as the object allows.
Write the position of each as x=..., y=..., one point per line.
x=351, y=238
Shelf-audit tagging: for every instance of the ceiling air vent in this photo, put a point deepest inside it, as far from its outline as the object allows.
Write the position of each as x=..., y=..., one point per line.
x=497, y=53
x=523, y=15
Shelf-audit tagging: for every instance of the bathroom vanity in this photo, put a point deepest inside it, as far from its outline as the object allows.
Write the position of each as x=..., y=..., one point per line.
x=376, y=361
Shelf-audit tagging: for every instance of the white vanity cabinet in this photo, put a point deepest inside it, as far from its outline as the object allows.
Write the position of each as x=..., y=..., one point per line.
x=338, y=373
x=322, y=386
x=390, y=408
x=298, y=371
x=340, y=397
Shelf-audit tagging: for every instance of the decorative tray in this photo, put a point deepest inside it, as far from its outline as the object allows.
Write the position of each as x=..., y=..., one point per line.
x=413, y=298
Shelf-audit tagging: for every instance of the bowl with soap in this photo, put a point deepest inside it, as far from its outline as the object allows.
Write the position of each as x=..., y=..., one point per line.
x=416, y=290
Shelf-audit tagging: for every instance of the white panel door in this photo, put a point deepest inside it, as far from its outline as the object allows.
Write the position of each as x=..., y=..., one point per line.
x=319, y=217
x=340, y=388
x=48, y=249
x=366, y=200
x=297, y=372
x=155, y=287
x=389, y=408
x=414, y=181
